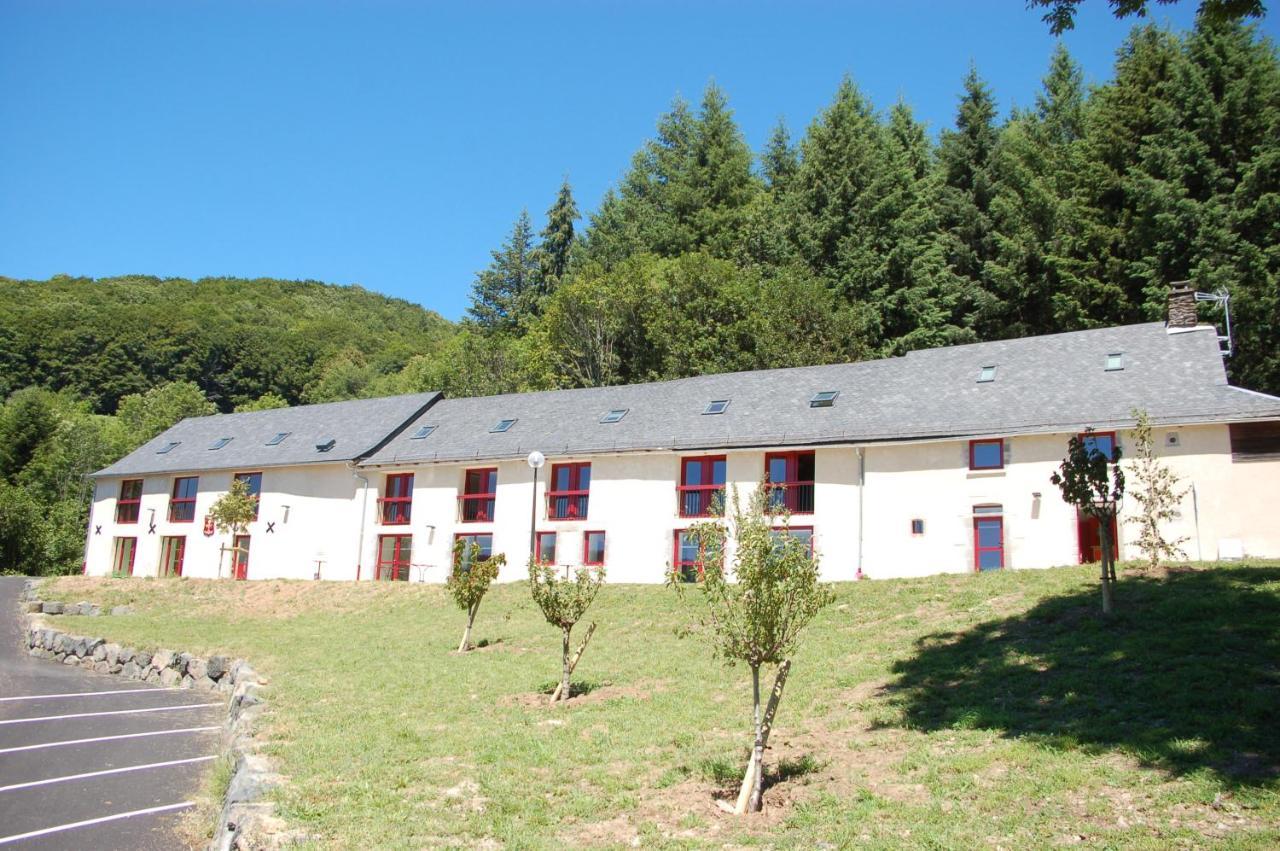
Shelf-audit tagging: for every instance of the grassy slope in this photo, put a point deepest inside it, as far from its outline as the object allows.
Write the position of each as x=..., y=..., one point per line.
x=949, y=712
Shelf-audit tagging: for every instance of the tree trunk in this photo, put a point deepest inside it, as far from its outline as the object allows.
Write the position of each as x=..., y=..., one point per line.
x=1104, y=532
x=465, y=644
x=573, y=663
x=565, y=669
x=757, y=748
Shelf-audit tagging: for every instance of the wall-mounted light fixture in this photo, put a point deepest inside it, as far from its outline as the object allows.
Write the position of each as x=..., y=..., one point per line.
x=285, y=520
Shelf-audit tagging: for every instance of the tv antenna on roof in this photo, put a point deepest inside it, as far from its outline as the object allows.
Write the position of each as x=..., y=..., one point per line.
x=1223, y=298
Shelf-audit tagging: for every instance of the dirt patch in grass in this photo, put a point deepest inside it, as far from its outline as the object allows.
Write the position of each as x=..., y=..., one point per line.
x=585, y=694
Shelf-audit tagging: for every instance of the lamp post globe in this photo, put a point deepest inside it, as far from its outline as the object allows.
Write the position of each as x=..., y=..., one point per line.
x=536, y=459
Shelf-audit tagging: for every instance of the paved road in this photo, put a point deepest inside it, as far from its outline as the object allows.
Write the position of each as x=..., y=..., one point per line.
x=91, y=761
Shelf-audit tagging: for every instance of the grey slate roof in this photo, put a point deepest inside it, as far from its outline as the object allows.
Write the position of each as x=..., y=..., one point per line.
x=357, y=427
x=1050, y=383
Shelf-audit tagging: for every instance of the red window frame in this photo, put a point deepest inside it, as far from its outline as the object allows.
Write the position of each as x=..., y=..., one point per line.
x=473, y=536
x=117, y=554
x=477, y=506
x=678, y=564
x=978, y=549
x=538, y=547
x=791, y=529
x=396, y=507
x=1096, y=434
x=586, y=547
x=126, y=502
x=973, y=447
x=700, y=500
x=187, y=504
x=254, y=480
x=240, y=557
x=397, y=569
x=794, y=489
x=570, y=503
x=914, y=521
x=171, y=560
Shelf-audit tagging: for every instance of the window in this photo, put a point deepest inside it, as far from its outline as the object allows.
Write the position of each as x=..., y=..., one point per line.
x=279, y=438
x=986, y=454
x=701, y=489
x=394, y=554
x=917, y=526
x=1102, y=442
x=479, y=495
x=122, y=552
x=394, y=509
x=483, y=542
x=423, y=432
x=789, y=478
x=1254, y=440
x=254, y=481
x=1115, y=361
x=172, y=552
x=219, y=443
x=168, y=447
x=988, y=537
x=240, y=557
x=803, y=534
x=501, y=426
x=130, y=501
x=182, y=506
x=719, y=406
x=614, y=416
x=689, y=560
x=325, y=444
x=987, y=374
x=546, y=547
x=593, y=548
x=825, y=399
x=569, y=493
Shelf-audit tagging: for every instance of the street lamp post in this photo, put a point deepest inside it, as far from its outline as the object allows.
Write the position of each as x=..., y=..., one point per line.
x=536, y=459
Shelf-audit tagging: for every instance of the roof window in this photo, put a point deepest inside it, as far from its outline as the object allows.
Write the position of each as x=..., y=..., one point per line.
x=501, y=426
x=279, y=438
x=719, y=406
x=988, y=374
x=325, y=444
x=1115, y=361
x=824, y=399
x=168, y=447
x=423, y=431
x=614, y=415
x=219, y=443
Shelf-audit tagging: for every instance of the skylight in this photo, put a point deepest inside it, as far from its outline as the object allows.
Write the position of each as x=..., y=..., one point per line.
x=719, y=406
x=502, y=425
x=168, y=447
x=988, y=374
x=1115, y=361
x=279, y=438
x=614, y=415
x=219, y=443
x=325, y=444
x=825, y=399
x=422, y=432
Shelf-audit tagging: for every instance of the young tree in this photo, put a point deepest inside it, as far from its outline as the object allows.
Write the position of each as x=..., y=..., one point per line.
x=1157, y=494
x=564, y=600
x=469, y=581
x=1094, y=484
x=758, y=610
x=233, y=512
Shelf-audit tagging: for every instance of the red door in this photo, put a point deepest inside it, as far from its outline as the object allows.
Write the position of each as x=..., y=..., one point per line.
x=240, y=557
x=1089, y=529
x=988, y=543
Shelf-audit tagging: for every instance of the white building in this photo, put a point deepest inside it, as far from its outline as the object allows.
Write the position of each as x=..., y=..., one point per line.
x=938, y=461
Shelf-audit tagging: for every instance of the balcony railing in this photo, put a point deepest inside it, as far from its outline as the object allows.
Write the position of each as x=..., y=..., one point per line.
x=476, y=508
x=396, y=571
x=700, y=500
x=394, y=511
x=795, y=497
x=567, y=505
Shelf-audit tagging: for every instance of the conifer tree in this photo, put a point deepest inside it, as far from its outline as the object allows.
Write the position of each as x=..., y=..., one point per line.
x=557, y=240
x=505, y=291
x=780, y=160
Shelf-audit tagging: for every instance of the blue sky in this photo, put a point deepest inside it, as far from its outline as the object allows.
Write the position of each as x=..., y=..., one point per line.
x=392, y=144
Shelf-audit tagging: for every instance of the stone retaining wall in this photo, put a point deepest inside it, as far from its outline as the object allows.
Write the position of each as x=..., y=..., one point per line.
x=247, y=820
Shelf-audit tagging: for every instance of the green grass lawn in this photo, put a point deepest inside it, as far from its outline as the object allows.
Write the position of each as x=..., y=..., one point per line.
x=995, y=710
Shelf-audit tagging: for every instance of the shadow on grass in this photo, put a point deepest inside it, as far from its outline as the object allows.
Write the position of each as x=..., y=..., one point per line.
x=727, y=773
x=577, y=688
x=1185, y=677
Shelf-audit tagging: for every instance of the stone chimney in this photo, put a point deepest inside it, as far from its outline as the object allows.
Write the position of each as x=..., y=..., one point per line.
x=1182, y=305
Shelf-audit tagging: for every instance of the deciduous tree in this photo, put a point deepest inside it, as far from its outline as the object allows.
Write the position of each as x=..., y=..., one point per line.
x=563, y=601
x=1094, y=484
x=1158, y=494
x=469, y=581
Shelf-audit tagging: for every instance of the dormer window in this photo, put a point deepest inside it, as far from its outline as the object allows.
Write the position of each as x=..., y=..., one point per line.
x=825, y=399
x=614, y=415
x=219, y=443
x=501, y=426
x=1115, y=361
x=987, y=374
x=719, y=406
x=423, y=432
x=278, y=439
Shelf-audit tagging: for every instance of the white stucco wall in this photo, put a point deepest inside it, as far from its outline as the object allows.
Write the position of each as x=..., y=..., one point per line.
x=633, y=500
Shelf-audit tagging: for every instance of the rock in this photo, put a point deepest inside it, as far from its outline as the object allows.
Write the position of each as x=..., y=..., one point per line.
x=216, y=667
x=188, y=682
x=87, y=663
x=181, y=661
x=70, y=659
x=162, y=659
x=87, y=609
x=143, y=658
x=47, y=637
x=131, y=670
x=126, y=654
x=92, y=644
x=206, y=684
x=245, y=674
x=112, y=653
x=168, y=678
x=94, y=611
x=197, y=668
x=34, y=651
x=82, y=646
x=122, y=610
x=51, y=607
x=33, y=606
x=99, y=653
x=102, y=667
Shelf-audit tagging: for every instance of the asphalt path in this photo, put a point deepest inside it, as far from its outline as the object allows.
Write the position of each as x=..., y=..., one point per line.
x=92, y=761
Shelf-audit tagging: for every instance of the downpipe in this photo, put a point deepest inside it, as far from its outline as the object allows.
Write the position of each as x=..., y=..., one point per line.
x=364, y=508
